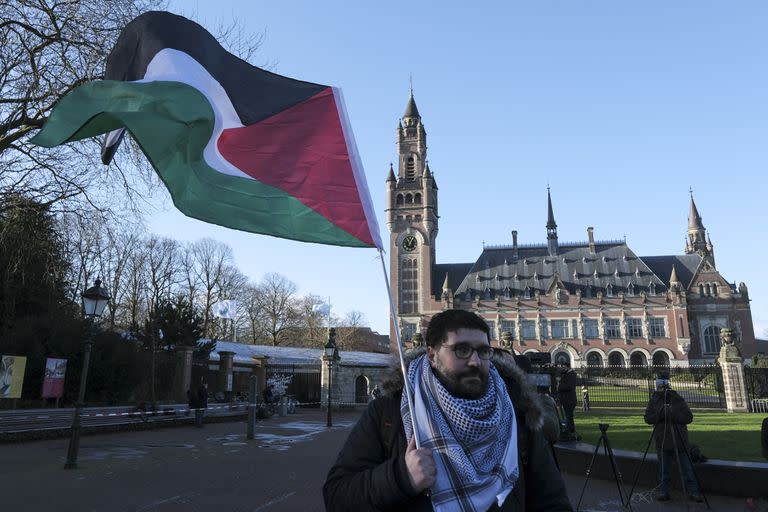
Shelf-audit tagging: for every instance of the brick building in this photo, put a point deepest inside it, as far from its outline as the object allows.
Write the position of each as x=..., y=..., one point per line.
x=590, y=303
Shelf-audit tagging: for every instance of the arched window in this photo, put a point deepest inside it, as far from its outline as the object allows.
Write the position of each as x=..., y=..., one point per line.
x=399, y=199
x=661, y=359
x=417, y=198
x=594, y=359
x=609, y=290
x=409, y=289
x=714, y=289
x=408, y=199
x=562, y=358
x=682, y=327
x=637, y=359
x=652, y=289
x=707, y=290
x=712, y=340
x=361, y=389
x=701, y=290
x=410, y=169
x=615, y=359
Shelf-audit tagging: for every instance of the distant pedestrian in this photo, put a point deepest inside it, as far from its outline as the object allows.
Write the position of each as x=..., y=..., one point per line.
x=584, y=398
x=192, y=400
x=201, y=403
x=566, y=393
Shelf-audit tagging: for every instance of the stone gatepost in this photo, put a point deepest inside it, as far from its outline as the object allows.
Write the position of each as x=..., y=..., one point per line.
x=183, y=373
x=225, y=373
x=733, y=374
x=260, y=371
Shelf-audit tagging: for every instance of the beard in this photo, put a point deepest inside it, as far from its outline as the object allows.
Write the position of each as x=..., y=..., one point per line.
x=470, y=383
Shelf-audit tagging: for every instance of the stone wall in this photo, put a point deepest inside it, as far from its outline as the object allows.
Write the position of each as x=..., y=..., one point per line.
x=349, y=382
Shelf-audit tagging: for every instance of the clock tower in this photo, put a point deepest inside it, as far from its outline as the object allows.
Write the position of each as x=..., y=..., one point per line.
x=412, y=222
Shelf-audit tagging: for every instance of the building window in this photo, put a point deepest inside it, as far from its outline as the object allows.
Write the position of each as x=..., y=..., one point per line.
x=712, y=340
x=417, y=199
x=701, y=290
x=635, y=327
x=399, y=199
x=652, y=289
x=492, y=329
x=408, y=331
x=508, y=326
x=559, y=328
x=682, y=327
x=591, y=328
x=410, y=169
x=409, y=287
x=529, y=329
x=408, y=199
x=612, y=328
x=594, y=360
x=656, y=327
x=615, y=359
x=609, y=291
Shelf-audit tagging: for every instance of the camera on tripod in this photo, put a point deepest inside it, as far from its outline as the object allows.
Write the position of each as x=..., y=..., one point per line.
x=603, y=427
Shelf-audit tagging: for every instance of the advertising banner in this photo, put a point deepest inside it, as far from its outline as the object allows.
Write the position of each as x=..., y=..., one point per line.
x=53, y=384
x=12, y=375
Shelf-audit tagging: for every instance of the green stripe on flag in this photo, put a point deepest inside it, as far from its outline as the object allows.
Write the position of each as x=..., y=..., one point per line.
x=172, y=123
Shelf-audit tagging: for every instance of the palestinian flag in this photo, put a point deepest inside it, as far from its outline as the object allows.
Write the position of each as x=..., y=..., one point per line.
x=236, y=145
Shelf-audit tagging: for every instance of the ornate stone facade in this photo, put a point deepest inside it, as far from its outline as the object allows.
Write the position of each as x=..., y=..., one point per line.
x=590, y=303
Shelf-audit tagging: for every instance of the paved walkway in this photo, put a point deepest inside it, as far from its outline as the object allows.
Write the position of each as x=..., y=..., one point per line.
x=216, y=468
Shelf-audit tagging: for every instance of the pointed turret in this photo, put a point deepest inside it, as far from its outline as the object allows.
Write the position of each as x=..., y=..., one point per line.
x=411, y=110
x=697, y=234
x=674, y=282
x=551, y=227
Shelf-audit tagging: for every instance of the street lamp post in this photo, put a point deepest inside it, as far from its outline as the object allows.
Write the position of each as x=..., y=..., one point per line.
x=95, y=299
x=330, y=353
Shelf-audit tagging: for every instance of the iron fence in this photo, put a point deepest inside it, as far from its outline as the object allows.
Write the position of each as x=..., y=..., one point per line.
x=701, y=386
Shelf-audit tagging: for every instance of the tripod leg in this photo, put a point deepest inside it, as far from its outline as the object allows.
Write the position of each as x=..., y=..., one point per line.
x=616, y=473
x=683, y=479
x=589, y=470
x=645, y=454
x=687, y=452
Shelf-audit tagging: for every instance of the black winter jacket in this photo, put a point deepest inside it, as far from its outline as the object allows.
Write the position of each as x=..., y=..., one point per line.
x=370, y=473
x=679, y=415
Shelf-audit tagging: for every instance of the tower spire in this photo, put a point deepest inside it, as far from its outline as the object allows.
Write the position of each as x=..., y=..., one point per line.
x=697, y=234
x=551, y=226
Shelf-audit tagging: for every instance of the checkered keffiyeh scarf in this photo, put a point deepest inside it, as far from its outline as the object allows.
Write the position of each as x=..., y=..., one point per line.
x=474, y=442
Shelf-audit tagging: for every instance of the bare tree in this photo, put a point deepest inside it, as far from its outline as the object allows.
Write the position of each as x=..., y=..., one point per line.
x=210, y=259
x=161, y=264
x=350, y=328
x=277, y=297
x=48, y=49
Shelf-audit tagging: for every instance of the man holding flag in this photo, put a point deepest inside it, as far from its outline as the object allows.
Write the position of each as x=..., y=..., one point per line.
x=478, y=424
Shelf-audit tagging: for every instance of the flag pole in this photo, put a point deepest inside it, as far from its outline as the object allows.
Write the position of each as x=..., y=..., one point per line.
x=408, y=394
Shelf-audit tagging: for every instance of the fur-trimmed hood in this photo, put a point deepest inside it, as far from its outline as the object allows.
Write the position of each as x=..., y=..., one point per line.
x=523, y=395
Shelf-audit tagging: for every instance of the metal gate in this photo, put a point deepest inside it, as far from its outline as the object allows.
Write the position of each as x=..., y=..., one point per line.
x=305, y=381
x=757, y=388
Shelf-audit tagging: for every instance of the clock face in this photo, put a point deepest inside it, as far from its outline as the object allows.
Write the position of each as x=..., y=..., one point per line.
x=409, y=243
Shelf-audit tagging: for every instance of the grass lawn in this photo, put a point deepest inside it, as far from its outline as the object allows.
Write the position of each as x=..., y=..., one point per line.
x=720, y=435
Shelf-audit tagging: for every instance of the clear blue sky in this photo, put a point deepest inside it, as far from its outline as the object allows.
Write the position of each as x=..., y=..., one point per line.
x=620, y=107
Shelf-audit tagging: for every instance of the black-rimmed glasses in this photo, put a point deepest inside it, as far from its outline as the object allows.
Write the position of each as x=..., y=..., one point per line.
x=464, y=351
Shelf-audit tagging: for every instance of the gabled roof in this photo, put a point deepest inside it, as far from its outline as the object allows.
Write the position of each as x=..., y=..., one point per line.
x=498, y=272
x=685, y=267
x=455, y=272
